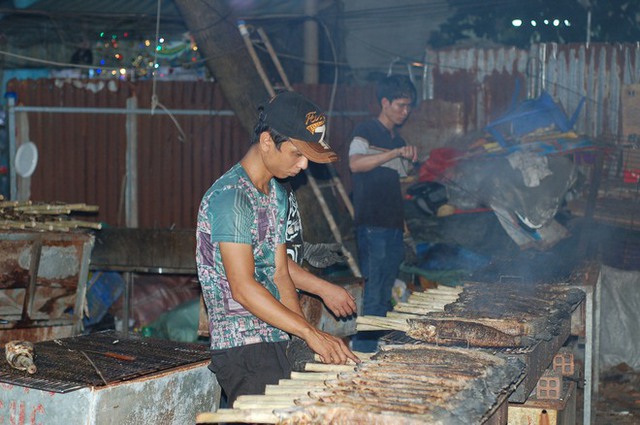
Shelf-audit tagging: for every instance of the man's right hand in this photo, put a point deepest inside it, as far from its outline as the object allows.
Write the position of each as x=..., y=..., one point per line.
x=332, y=350
x=408, y=152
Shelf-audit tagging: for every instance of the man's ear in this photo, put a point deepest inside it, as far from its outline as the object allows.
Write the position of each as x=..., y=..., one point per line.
x=266, y=142
x=385, y=102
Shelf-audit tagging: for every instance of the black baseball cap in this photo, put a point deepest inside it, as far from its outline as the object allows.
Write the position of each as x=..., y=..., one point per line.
x=303, y=122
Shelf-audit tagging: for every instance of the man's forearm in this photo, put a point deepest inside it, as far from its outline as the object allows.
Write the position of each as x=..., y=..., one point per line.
x=253, y=296
x=361, y=163
x=337, y=299
x=305, y=280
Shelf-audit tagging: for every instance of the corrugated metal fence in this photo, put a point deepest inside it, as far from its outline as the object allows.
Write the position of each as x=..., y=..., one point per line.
x=484, y=80
x=80, y=129
x=83, y=155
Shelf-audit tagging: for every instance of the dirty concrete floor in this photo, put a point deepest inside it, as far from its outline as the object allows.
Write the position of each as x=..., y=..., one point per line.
x=618, y=401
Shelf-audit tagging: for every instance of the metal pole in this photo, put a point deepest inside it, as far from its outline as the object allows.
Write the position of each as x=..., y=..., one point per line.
x=125, y=111
x=543, y=69
x=588, y=27
x=121, y=111
x=131, y=187
x=427, y=93
x=311, y=74
x=13, y=187
x=597, y=298
x=128, y=289
x=588, y=358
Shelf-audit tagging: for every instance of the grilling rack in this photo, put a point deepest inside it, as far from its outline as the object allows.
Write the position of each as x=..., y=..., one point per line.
x=100, y=359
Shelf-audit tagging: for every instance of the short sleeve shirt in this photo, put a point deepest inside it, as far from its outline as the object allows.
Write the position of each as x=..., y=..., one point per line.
x=295, y=245
x=377, y=194
x=233, y=210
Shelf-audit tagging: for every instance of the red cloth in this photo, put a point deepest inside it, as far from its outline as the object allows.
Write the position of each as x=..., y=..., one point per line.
x=439, y=161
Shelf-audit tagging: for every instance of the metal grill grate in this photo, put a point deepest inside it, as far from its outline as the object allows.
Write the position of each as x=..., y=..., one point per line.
x=62, y=366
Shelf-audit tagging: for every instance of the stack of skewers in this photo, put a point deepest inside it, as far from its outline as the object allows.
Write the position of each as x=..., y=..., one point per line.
x=411, y=383
x=44, y=217
x=481, y=315
x=417, y=305
x=401, y=384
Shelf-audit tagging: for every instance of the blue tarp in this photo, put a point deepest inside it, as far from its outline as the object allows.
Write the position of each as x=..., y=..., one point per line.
x=103, y=289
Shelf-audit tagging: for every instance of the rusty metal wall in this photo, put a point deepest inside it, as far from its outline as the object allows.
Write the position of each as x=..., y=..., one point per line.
x=173, y=174
x=82, y=156
x=484, y=81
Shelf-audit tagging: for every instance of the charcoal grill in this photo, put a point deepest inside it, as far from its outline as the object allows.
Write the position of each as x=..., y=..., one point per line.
x=62, y=366
x=401, y=384
x=536, y=357
x=544, y=309
x=114, y=379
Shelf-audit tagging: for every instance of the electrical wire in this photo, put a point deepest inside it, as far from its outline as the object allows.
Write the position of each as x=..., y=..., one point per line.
x=375, y=12
x=154, y=96
x=49, y=62
x=334, y=86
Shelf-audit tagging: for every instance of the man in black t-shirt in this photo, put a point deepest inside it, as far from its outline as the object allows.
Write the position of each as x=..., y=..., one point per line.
x=377, y=158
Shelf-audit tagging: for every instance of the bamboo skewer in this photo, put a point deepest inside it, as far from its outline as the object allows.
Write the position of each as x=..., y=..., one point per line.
x=439, y=291
x=381, y=323
x=434, y=295
x=262, y=416
x=313, y=376
x=424, y=309
x=300, y=382
x=24, y=215
x=322, y=367
x=13, y=204
x=300, y=388
x=80, y=223
x=402, y=315
x=430, y=297
x=48, y=211
x=272, y=401
x=44, y=226
x=12, y=224
x=293, y=391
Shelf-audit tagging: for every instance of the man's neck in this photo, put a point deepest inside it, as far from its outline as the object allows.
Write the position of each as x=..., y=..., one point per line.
x=254, y=167
x=386, y=122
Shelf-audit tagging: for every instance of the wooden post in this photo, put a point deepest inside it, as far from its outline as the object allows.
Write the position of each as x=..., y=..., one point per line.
x=131, y=185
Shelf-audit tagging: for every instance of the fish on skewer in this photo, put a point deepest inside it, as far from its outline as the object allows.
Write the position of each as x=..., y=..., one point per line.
x=20, y=355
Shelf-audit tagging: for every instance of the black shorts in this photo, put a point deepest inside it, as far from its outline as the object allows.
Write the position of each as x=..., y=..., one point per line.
x=248, y=369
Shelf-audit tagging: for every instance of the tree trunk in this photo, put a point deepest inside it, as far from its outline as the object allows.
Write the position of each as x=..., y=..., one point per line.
x=214, y=27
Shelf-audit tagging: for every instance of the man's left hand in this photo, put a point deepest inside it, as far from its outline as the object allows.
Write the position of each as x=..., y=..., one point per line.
x=339, y=301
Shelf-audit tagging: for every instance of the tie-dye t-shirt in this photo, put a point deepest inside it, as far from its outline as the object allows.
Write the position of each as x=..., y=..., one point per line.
x=233, y=210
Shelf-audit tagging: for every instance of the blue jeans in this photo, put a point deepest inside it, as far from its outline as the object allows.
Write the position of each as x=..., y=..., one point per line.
x=380, y=251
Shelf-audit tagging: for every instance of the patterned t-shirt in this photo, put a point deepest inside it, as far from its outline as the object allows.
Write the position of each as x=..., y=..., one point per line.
x=233, y=210
x=295, y=246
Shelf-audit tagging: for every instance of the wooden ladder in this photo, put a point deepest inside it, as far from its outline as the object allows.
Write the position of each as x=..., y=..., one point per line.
x=334, y=183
